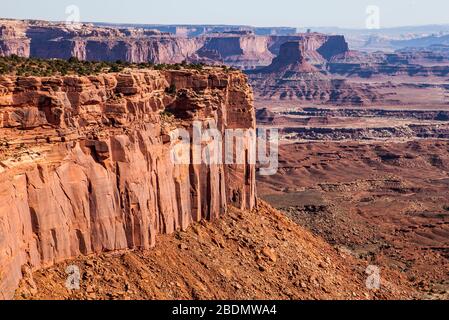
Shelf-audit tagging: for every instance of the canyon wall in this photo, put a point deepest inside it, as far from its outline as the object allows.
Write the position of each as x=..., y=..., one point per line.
x=85, y=162
x=107, y=44
x=243, y=49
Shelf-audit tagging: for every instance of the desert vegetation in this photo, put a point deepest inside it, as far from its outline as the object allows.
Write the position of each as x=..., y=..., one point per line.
x=19, y=66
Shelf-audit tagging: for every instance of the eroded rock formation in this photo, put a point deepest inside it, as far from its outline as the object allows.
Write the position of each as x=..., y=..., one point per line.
x=292, y=76
x=290, y=62
x=85, y=162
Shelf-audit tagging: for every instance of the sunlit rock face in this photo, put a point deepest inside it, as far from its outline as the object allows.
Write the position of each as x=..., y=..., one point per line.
x=85, y=162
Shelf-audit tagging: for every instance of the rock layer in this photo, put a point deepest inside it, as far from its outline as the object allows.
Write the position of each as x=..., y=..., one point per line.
x=85, y=162
x=290, y=62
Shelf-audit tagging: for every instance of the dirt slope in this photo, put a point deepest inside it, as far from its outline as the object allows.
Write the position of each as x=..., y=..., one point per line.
x=245, y=255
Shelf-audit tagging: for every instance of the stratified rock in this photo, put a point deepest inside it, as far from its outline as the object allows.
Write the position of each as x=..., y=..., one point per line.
x=85, y=162
x=241, y=47
x=290, y=61
x=317, y=48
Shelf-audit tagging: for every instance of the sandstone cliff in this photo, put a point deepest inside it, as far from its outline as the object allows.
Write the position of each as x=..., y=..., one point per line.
x=244, y=51
x=317, y=48
x=85, y=164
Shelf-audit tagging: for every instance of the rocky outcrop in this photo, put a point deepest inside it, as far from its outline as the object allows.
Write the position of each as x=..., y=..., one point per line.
x=290, y=62
x=248, y=51
x=85, y=162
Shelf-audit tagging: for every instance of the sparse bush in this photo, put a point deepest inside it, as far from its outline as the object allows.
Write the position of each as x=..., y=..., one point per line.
x=167, y=114
x=116, y=68
x=15, y=65
x=161, y=66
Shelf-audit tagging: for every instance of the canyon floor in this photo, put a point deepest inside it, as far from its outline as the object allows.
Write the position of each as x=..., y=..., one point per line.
x=378, y=191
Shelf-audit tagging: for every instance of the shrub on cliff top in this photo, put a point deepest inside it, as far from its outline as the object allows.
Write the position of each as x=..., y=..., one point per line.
x=15, y=65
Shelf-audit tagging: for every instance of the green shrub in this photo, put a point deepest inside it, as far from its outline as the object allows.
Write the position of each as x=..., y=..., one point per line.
x=171, y=90
x=15, y=65
x=167, y=114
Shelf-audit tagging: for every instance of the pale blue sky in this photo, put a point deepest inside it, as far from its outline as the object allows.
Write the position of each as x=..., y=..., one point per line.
x=294, y=13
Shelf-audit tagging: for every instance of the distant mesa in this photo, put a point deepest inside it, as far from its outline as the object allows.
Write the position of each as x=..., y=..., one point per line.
x=242, y=47
x=290, y=61
x=300, y=73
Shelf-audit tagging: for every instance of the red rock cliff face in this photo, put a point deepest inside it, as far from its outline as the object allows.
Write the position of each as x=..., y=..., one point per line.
x=85, y=163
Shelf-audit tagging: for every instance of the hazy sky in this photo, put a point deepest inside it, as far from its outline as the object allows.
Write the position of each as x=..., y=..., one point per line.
x=295, y=13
